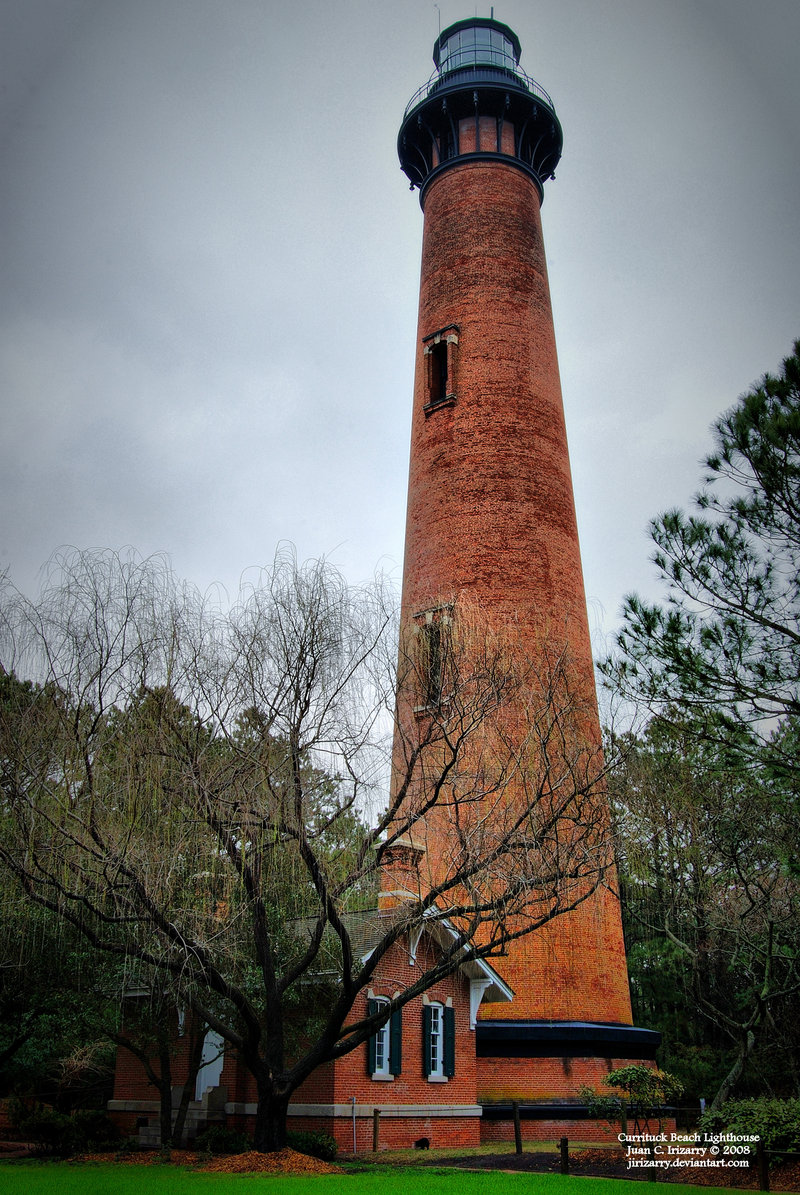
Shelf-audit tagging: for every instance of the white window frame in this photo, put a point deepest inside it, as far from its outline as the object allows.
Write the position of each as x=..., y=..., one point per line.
x=382, y=1045
x=436, y=1042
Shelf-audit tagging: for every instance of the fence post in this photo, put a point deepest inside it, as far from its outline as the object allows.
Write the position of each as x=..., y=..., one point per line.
x=763, y=1166
x=517, y=1127
x=651, y=1153
x=376, y=1126
x=564, y=1147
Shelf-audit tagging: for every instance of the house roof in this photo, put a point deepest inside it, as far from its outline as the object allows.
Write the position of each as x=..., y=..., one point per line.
x=368, y=927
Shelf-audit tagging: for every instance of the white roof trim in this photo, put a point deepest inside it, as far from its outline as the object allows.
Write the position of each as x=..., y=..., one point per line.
x=497, y=990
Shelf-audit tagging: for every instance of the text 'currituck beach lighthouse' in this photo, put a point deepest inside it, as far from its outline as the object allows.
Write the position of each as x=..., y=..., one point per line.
x=491, y=512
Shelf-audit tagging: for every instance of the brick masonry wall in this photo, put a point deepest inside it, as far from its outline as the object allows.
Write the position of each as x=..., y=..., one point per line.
x=130, y=1078
x=491, y=512
x=554, y=1130
x=542, y=1080
x=412, y=1087
x=395, y=1132
x=490, y=490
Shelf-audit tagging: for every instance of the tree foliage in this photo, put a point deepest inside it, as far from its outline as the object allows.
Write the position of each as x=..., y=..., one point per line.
x=707, y=807
x=711, y=910
x=725, y=646
x=645, y=1090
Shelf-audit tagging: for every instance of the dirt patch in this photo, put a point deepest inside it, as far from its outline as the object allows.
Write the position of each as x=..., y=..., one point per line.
x=149, y=1157
x=285, y=1161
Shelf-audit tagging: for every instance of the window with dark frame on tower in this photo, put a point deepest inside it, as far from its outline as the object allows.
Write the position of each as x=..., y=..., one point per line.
x=440, y=350
x=433, y=628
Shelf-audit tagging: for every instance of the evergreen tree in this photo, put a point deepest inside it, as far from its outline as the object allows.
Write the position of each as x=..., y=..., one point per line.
x=724, y=648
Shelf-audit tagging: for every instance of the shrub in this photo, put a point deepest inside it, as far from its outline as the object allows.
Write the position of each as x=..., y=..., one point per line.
x=216, y=1139
x=61, y=1135
x=600, y=1106
x=314, y=1143
x=96, y=1130
x=50, y=1132
x=776, y=1122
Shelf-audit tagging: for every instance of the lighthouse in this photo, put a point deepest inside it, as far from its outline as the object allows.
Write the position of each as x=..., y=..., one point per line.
x=491, y=514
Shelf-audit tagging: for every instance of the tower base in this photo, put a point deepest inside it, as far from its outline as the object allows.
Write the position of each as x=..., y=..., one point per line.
x=551, y=1122
x=543, y=1067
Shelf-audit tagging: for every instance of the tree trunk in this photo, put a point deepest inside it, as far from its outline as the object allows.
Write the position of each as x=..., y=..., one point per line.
x=735, y=1073
x=270, y=1131
x=162, y=1082
x=196, y=1039
x=165, y=1091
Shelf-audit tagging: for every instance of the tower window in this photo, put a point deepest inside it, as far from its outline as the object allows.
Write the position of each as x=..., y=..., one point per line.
x=439, y=370
x=433, y=663
x=433, y=628
x=439, y=355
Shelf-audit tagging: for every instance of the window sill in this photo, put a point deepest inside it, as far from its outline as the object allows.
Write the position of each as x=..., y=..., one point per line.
x=382, y=1078
x=448, y=401
x=438, y=1078
x=432, y=709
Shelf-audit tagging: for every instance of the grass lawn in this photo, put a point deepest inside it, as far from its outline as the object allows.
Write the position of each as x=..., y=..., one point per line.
x=62, y=1178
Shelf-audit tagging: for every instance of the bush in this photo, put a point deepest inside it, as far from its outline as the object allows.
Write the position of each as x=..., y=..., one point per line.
x=600, y=1106
x=316, y=1144
x=50, y=1132
x=61, y=1135
x=96, y=1130
x=216, y=1139
x=777, y=1123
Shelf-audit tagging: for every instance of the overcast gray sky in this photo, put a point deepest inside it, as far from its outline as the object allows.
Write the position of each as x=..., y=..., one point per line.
x=210, y=263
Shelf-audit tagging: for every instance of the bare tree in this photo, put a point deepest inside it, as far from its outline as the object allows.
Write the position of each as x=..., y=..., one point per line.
x=203, y=793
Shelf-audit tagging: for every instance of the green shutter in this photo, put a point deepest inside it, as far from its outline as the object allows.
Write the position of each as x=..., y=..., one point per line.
x=396, y=1042
x=426, y=1040
x=449, y=1042
x=372, y=1007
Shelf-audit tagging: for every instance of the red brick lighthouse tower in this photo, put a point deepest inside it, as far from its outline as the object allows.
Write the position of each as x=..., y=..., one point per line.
x=491, y=511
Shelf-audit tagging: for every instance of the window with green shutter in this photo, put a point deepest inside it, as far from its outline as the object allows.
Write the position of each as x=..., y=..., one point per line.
x=427, y=1024
x=396, y=1042
x=372, y=1042
x=449, y=1060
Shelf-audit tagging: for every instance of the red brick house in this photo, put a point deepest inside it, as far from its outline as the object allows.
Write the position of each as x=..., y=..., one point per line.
x=419, y=1072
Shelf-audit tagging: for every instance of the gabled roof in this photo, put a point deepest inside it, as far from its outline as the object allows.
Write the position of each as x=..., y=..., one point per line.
x=369, y=926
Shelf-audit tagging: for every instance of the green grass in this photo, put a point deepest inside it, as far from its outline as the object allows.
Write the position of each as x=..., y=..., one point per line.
x=63, y=1178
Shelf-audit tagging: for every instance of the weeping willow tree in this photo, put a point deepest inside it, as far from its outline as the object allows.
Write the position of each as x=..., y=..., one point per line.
x=201, y=795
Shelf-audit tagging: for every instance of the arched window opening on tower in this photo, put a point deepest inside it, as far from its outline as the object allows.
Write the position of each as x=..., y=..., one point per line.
x=433, y=645
x=439, y=364
x=440, y=353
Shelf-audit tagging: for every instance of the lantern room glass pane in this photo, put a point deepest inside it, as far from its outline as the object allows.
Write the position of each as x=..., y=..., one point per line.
x=478, y=45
